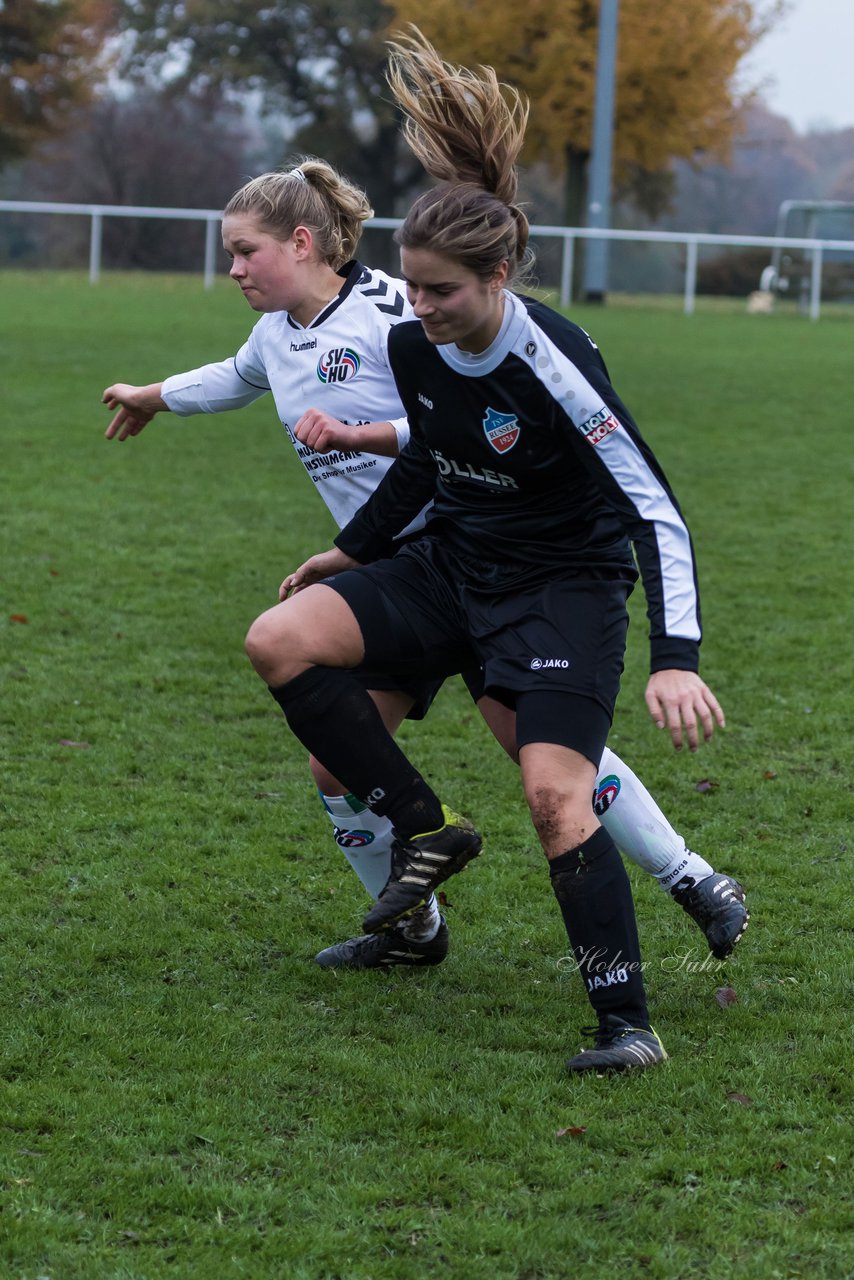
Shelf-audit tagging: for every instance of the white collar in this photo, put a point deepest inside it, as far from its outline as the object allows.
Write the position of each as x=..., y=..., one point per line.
x=476, y=363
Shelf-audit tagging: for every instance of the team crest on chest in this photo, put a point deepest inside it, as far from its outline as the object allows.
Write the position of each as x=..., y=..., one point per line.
x=341, y=364
x=501, y=429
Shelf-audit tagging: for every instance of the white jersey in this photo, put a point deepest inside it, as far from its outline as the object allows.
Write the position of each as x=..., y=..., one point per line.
x=338, y=364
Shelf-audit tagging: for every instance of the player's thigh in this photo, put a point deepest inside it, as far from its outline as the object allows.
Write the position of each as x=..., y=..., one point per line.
x=501, y=720
x=410, y=619
x=315, y=627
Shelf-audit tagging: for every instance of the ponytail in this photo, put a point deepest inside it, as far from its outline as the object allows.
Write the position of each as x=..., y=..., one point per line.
x=313, y=195
x=467, y=130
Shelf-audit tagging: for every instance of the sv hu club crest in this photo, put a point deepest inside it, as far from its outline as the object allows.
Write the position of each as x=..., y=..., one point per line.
x=338, y=365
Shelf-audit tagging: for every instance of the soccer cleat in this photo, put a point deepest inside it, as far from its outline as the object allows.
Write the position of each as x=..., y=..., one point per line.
x=619, y=1047
x=717, y=905
x=420, y=864
x=385, y=951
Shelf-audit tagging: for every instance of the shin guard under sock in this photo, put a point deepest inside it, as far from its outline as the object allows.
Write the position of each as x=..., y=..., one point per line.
x=595, y=898
x=336, y=719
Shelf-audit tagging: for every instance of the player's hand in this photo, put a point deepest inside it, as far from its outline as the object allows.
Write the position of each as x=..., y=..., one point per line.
x=677, y=699
x=136, y=407
x=321, y=432
x=321, y=566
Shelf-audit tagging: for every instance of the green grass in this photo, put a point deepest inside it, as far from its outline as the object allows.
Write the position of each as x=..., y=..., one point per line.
x=182, y=1093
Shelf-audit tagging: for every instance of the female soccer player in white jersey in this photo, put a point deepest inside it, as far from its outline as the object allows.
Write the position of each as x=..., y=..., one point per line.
x=320, y=348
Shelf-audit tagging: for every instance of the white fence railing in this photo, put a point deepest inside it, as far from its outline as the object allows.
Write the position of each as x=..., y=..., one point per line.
x=692, y=240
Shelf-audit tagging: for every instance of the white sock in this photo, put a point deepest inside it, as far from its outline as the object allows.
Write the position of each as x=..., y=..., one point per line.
x=365, y=838
x=639, y=828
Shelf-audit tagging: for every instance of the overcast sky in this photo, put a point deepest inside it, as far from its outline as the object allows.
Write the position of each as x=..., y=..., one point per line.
x=808, y=60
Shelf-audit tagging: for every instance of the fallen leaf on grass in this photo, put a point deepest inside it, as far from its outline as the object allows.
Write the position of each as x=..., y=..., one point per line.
x=18, y=617
x=741, y=1098
x=69, y=742
x=573, y=1131
x=725, y=996
x=706, y=784
x=779, y=1164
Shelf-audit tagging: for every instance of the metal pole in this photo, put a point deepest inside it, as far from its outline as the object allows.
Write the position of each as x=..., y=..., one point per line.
x=95, y=247
x=690, y=277
x=566, y=268
x=599, y=187
x=210, y=252
x=815, y=283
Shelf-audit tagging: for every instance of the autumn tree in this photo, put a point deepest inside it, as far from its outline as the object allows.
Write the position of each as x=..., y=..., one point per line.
x=319, y=64
x=676, y=95
x=48, y=62
x=137, y=149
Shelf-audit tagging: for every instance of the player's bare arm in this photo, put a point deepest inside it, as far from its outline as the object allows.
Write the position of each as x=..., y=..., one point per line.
x=680, y=699
x=136, y=407
x=315, y=569
x=323, y=433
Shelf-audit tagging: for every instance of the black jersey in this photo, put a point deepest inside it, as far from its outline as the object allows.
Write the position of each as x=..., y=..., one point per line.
x=536, y=468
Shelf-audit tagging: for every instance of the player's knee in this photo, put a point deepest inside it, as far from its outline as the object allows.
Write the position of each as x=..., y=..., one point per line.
x=269, y=649
x=557, y=809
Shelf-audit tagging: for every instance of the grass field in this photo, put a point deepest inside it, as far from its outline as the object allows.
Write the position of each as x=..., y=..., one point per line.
x=183, y=1092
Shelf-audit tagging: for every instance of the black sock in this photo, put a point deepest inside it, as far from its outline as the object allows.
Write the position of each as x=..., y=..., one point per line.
x=595, y=897
x=333, y=715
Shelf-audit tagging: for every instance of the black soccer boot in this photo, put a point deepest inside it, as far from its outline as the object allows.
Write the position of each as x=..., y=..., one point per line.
x=717, y=905
x=385, y=951
x=419, y=865
x=618, y=1047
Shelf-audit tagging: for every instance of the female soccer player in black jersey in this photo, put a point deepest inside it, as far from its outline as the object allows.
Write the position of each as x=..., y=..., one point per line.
x=539, y=479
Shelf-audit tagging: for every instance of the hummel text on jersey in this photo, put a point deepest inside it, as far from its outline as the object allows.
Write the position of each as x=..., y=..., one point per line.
x=599, y=426
x=466, y=471
x=308, y=345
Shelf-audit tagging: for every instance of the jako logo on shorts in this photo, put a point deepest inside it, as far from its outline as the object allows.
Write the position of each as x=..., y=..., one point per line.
x=540, y=664
x=353, y=839
x=341, y=364
x=605, y=794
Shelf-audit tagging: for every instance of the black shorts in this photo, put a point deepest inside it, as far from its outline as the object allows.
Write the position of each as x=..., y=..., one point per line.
x=422, y=615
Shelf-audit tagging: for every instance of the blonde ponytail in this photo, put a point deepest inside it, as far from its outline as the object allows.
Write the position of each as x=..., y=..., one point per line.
x=310, y=194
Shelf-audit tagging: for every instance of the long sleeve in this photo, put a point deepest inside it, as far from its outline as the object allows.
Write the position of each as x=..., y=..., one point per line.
x=407, y=487
x=633, y=482
x=221, y=386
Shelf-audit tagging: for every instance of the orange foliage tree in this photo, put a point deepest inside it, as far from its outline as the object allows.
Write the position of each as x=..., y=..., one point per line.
x=676, y=94
x=49, y=52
